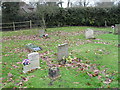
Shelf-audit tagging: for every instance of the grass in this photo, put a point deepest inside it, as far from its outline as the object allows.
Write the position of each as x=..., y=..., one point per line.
x=13, y=51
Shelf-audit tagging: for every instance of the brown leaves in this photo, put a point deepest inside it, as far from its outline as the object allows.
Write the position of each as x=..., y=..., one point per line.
x=5, y=63
x=15, y=66
x=10, y=75
x=99, y=77
x=88, y=84
x=24, y=79
x=76, y=82
x=19, y=84
x=19, y=62
x=89, y=74
x=9, y=80
x=22, y=37
x=107, y=81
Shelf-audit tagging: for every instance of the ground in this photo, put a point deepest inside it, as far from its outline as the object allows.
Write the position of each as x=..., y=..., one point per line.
x=88, y=57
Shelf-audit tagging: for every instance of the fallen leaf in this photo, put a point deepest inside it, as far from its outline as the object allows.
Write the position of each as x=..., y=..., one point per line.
x=88, y=83
x=19, y=62
x=10, y=79
x=19, y=84
x=76, y=82
x=99, y=77
x=89, y=74
x=5, y=63
x=107, y=81
x=10, y=75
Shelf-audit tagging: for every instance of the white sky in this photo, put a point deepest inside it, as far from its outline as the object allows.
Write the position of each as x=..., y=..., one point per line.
x=65, y=1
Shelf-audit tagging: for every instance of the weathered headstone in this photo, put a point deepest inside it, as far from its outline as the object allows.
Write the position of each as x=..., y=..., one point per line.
x=89, y=34
x=117, y=29
x=34, y=62
x=53, y=72
x=41, y=32
x=62, y=51
x=32, y=47
x=105, y=23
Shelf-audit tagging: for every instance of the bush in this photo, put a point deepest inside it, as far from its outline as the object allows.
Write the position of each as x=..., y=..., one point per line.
x=89, y=16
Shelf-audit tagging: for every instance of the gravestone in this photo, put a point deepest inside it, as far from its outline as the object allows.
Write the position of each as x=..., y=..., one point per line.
x=33, y=47
x=34, y=62
x=89, y=34
x=117, y=29
x=53, y=72
x=62, y=51
x=41, y=32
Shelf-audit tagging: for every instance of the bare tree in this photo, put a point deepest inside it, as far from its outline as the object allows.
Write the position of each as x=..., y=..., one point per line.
x=81, y=3
x=105, y=4
x=43, y=9
x=60, y=3
x=84, y=3
x=68, y=4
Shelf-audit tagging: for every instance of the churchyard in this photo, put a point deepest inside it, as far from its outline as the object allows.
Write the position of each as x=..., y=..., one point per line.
x=89, y=62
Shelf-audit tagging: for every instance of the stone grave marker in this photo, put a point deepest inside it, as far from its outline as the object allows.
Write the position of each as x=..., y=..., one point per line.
x=53, y=72
x=89, y=34
x=34, y=62
x=41, y=32
x=32, y=47
x=62, y=51
x=117, y=29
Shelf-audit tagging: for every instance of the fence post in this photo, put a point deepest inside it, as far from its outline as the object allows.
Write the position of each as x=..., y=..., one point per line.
x=13, y=26
x=30, y=24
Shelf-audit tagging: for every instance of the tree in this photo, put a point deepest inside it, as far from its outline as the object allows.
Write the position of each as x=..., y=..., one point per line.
x=104, y=4
x=43, y=9
x=81, y=3
x=10, y=11
x=84, y=3
x=60, y=3
x=68, y=4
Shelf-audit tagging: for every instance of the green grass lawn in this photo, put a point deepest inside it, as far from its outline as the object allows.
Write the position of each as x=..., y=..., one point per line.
x=101, y=53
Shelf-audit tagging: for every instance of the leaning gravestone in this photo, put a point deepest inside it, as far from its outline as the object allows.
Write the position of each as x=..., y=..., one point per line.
x=34, y=62
x=89, y=34
x=41, y=33
x=62, y=51
x=117, y=29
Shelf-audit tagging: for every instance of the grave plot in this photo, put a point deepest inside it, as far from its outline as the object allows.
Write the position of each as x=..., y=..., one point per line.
x=53, y=72
x=32, y=47
x=33, y=62
x=101, y=32
x=80, y=72
x=117, y=29
x=89, y=34
x=41, y=33
x=62, y=52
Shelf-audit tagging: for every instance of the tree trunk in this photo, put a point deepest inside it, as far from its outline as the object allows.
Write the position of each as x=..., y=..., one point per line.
x=61, y=4
x=44, y=24
x=68, y=4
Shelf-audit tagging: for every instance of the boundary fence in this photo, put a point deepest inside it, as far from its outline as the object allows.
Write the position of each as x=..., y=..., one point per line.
x=20, y=25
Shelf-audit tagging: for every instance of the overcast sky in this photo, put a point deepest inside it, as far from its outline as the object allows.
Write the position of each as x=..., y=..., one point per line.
x=65, y=1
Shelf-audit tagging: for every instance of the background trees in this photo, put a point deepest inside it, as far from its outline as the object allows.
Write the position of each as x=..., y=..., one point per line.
x=10, y=11
x=46, y=9
x=51, y=15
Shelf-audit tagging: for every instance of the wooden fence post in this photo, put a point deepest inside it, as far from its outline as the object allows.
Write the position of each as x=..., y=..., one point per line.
x=13, y=26
x=30, y=24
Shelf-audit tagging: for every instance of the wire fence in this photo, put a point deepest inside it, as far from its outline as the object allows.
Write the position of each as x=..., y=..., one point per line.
x=20, y=25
